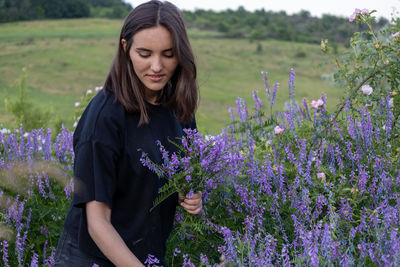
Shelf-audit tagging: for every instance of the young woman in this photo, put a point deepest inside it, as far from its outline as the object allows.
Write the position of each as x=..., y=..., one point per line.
x=150, y=94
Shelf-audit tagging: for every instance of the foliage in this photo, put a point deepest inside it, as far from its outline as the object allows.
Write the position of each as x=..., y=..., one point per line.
x=372, y=63
x=35, y=192
x=262, y=24
x=24, y=111
x=11, y=10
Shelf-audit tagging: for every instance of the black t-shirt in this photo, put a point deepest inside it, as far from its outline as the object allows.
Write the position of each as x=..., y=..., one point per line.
x=107, y=168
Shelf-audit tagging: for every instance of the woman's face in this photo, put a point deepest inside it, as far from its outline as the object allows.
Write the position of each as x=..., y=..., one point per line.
x=153, y=59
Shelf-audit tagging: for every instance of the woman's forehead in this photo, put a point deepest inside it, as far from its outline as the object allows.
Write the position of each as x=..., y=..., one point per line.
x=157, y=37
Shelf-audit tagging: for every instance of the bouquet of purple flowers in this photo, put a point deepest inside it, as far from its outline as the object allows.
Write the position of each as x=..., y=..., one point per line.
x=197, y=162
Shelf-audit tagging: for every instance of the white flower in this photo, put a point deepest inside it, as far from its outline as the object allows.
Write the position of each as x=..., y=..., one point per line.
x=26, y=135
x=98, y=88
x=366, y=89
x=278, y=130
x=77, y=104
x=88, y=92
x=391, y=103
x=75, y=124
x=316, y=104
x=5, y=131
x=208, y=137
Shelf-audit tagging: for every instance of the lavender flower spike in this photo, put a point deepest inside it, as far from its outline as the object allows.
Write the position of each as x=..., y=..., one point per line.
x=266, y=85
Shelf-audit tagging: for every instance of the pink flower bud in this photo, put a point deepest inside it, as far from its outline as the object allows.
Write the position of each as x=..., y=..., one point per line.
x=318, y=103
x=278, y=130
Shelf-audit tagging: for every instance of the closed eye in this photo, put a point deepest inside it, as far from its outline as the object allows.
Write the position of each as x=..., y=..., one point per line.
x=144, y=55
x=143, y=52
x=169, y=54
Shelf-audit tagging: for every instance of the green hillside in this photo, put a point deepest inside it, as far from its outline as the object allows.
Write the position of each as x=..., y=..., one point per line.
x=64, y=58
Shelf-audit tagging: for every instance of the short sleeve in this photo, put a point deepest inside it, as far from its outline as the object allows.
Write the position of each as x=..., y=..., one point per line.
x=97, y=147
x=95, y=173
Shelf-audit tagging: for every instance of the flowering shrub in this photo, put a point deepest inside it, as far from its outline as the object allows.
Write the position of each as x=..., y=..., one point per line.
x=309, y=187
x=301, y=187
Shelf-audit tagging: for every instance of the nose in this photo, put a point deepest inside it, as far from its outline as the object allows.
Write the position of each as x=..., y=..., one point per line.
x=156, y=64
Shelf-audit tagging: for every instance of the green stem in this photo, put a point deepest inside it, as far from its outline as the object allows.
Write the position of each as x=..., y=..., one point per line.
x=341, y=107
x=376, y=40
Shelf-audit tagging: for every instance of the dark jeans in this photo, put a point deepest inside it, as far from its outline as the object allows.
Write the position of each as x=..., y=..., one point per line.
x=68, y=254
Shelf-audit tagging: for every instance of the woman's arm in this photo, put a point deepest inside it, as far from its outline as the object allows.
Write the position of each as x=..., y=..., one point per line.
x=106, y=237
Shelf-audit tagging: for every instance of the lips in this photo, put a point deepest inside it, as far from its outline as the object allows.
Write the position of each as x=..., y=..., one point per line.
x=156, y=78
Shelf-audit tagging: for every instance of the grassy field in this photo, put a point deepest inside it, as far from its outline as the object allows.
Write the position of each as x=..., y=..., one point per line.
x=64, y=58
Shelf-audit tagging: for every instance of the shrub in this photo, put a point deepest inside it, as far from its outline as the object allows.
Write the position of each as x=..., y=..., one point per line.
x=24, y=111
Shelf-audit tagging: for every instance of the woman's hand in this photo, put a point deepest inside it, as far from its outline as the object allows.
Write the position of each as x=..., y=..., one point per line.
x=192, y=205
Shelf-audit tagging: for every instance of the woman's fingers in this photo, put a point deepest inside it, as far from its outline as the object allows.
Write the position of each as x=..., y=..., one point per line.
x=194, y=204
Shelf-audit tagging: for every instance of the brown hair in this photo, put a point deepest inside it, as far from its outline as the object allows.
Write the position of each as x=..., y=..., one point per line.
x=181, y=93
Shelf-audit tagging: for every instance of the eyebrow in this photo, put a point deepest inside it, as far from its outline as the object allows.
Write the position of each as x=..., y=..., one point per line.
x=148, y=50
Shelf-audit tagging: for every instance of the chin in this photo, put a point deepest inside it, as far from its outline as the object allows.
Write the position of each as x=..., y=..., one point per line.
x=155, y=88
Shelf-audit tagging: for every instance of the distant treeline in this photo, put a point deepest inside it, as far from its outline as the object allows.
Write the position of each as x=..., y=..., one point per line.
x=15, y=10
x=261, y=25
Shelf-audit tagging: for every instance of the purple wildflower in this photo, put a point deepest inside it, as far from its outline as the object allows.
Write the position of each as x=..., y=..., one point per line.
x=306, y=108
x=190, y=194
x=241, y=108
x=50, y=261
x=292, y=75
x=151, y=260
x=363, y=178
x=20, y=247
x=176, y=252
x=43, y=230
x=285, y=256
x=271, y=98
x=48, y=143
x=266, y=85
x=204, y=259
x=257, y=101
x=231, y=113
x=4, y=250
x=34, y=261
x=186, y=261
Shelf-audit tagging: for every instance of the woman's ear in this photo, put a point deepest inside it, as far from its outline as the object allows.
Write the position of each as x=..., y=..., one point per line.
x=123, y=43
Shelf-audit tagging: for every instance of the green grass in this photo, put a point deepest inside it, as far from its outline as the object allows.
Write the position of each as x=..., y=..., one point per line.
x=64, y=58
